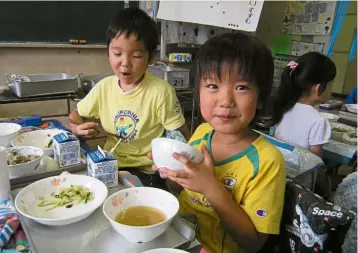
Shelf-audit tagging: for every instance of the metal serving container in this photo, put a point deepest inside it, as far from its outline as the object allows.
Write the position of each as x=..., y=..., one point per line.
x=43, y=84
x=177, y=77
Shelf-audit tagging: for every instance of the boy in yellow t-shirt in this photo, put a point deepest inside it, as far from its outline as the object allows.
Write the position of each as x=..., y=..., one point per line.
x=133, y=104
x=237, y=192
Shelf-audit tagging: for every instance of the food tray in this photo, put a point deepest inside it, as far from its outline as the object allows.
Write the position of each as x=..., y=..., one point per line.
x=43, y=84
x=95, y=234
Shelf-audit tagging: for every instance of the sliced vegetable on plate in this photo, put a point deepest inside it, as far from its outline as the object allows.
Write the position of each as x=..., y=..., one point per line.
x=67, y=197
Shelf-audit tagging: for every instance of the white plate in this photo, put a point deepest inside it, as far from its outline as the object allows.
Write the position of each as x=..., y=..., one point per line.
x=38, y=138
x=26, y=201
x=352, y=107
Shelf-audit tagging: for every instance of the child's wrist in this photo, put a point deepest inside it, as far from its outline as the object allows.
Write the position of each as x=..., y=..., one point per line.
x=214, y=190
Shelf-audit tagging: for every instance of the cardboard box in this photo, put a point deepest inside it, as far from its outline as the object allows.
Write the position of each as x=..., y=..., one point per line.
x=103, y=166
x=66, y=149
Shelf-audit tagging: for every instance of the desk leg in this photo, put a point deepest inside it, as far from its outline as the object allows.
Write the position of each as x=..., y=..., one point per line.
x=68, y=106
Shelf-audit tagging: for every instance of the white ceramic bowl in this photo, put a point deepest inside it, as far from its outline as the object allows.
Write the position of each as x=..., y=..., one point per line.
x=141, y=196
x=352, y=107
x=337, y=135
x=26, y=201
x=163, y=148
x=25, y=169
x=7, y=132
x=165, y=251
x=330, y=117
x=38, y=138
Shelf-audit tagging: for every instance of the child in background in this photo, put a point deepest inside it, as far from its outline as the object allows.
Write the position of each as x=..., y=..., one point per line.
x=304, y=84
x=133, y=104
x=237, y=192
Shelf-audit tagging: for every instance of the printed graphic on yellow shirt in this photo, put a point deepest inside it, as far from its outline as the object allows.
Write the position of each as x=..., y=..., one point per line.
x=125, y=123
x=203, y=202
x=229, y=182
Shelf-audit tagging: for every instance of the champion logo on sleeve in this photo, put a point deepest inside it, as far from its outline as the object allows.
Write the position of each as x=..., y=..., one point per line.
x=261, y=213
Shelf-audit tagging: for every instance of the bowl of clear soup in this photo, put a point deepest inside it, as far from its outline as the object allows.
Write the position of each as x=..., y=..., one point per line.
x=141, y=214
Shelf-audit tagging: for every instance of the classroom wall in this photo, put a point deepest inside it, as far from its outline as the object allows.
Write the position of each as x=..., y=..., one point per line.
x=270, y=27
x=24, y=60
x=270, y=22
x=346, y=78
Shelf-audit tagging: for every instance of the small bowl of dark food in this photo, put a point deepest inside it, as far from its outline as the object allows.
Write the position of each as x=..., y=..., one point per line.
x=23, y=160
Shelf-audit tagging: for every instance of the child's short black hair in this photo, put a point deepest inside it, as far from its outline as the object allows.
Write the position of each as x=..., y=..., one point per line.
x=134, y=21
x=313, y=68
x=253, y=60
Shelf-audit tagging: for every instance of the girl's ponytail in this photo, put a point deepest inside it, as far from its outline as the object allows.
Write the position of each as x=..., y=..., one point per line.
x=286, y=96
x=297, y=80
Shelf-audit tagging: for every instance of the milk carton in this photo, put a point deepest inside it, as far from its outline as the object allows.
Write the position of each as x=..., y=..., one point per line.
x=103, y=166
x=66, y=149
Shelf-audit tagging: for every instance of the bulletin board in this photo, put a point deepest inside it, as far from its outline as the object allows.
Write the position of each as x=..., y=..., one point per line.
x=308, y=17
x=150, y=7
x=238, y=15
x=300, y=48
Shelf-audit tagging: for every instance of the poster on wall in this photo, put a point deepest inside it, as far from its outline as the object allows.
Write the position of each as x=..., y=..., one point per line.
x=150, y=7
x=299, y=48
x=238, y=15
x=308, y=17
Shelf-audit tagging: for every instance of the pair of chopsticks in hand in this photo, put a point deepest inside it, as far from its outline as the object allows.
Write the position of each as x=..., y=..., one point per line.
x=104, y=132
x=99, y=130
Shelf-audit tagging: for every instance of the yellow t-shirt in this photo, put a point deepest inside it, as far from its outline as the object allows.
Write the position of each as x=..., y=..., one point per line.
x=255, y=177
x=138, y=116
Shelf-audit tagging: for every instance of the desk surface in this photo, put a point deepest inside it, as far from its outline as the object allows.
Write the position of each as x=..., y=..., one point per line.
x=9, y=98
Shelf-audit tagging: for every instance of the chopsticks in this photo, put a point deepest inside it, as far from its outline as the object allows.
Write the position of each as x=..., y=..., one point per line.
x=101, y=131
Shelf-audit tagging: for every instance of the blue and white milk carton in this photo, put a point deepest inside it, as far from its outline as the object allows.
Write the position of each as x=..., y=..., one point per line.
x=66, y=149
x=103, y=166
